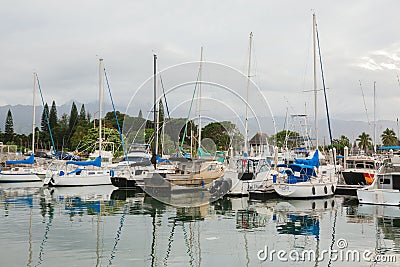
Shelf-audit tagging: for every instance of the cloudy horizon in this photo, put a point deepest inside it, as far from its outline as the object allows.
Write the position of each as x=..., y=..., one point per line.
x=62, y=41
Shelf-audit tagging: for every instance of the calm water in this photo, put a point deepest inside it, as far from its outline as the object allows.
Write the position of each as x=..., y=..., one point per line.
x=101, y=226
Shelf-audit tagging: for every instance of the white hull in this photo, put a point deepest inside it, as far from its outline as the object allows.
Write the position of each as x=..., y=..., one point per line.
x=19, y=178
x=379, y=196
x=79, y=180
x=307, y=189
x=242, y=187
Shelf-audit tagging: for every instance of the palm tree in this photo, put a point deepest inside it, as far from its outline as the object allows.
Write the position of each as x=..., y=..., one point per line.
x=389, y=137
x=364, y=141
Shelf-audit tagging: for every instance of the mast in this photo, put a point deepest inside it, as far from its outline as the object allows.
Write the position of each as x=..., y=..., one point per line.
x=199, y=125
x=246, y=137
x=374, y=117
x=100, y=101
x=315, y=80
x=155, y=109
x=34, y=112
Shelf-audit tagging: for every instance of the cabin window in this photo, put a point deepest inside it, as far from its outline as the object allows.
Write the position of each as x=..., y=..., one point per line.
x=212, y=167
x=359, y=165
x=384, y=181
x=369, y=165
x=350, y=164
x=91, y=173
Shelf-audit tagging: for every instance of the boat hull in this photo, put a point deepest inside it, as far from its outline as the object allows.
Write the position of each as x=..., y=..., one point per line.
x=123, y=182
x=305, y=189
x=19, y=178
x=379, y=196
x=357, y=178
x=78, y=181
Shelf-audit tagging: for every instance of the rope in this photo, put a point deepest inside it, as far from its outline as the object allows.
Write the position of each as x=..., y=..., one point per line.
x=166, y=105
x=326, y=99
x=45, y=112
x=116, y=117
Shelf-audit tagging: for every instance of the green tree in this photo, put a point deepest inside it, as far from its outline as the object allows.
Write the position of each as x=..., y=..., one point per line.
x=9, y=128
x=140, y=114
x=389, y=137
x=364, y=141
x=89, y=141
x=43, y=122
x=111, y=122
x=286, y=137
x=236, y=137
x=73, y=119
x=217, y=132
x=340, y=143
x=82, y=119
x=53, y=119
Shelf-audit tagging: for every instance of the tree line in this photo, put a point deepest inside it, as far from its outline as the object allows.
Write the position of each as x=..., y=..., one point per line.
x=79, y=132
x=363, y=142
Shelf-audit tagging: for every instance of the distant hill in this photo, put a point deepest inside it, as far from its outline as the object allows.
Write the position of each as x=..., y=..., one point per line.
x=22, y=114
x=22, y=117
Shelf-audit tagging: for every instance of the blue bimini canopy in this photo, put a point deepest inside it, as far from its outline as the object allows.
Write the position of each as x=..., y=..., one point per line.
x=314, y=161
x=96, y=162
x=29, y=160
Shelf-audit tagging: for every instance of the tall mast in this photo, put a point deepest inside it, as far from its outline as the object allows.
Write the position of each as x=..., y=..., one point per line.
x=34, y=112
x=247, y=97
x=100, y=102
x=155, y=109
x=374, y=117
x=199, y=104
x=315, y=80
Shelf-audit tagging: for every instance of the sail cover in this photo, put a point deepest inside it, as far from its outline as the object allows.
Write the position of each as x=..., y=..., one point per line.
x=96, y=162
x=314, y=161
x=29, y=160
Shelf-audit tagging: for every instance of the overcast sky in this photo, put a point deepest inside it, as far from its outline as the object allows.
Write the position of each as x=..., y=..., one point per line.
x=62, y=40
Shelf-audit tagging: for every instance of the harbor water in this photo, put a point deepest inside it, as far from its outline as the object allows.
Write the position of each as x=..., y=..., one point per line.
x=103, y=226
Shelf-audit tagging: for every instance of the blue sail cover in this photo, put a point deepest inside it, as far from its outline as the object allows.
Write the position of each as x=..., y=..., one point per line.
x=161, y=159
x=96, y=162
x=29, y=160
x=314, y=161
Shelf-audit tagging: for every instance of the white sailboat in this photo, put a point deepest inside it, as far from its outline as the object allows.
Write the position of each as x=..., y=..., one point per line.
x=250, y=172
x=305, y=178
x=84, y=173
x=23, y=170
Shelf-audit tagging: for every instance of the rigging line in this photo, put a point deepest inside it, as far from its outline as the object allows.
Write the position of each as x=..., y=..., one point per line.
x=189, y=251
x=365, y=106
x=326, y=98
x=170, y=240
x=45, y=112
x=116, y=117
x=118, y=236
x=166, y=105
x=190, y=110
x=45, y=237
x=333, y=238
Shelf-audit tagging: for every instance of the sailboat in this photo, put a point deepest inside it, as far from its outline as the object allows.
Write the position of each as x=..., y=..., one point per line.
x=83, y=173
x=23, y=170
x=250, y=171
x=305, y=178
